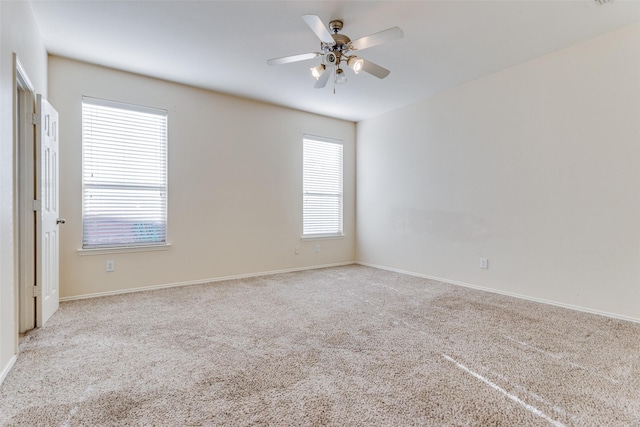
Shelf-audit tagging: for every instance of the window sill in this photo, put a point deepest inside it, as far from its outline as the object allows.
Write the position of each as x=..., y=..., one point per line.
x=123, y=249
x=322, y=237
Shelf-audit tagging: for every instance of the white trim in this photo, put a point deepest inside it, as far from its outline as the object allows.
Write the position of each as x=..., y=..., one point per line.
x=21, y=75
x=322, y=139
x=123, y=249
x=24, y=228
x=322, y=236
x=123, y=105
x=509, y=294
x=203, y=281
x=7, y=368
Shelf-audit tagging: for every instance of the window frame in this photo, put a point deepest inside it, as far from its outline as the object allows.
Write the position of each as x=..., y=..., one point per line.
x=132, y=246
x=339, y=195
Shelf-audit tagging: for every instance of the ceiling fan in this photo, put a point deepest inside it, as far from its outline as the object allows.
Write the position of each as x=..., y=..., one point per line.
x=336, y=49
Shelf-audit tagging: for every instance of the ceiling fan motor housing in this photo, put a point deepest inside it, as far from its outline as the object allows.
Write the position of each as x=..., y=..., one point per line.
x=336, y=25
x=333, y=52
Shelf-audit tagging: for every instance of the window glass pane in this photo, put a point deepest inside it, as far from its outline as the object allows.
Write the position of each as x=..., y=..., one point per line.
x=124, y=174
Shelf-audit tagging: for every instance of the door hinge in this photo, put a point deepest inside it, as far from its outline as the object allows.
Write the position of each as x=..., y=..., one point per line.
x=36, y=205
x=35, y=291
x=35, y=119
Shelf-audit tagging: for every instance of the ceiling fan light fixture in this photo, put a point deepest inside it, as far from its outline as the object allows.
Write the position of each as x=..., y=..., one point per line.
x=355, y=64
x=341, y=77
x=318, y=70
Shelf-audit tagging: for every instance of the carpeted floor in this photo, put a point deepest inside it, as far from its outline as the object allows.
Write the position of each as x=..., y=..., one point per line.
x=342, y=346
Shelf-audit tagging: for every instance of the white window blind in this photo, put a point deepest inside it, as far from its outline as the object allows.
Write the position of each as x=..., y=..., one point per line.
x=322, y=187
x=124, y=158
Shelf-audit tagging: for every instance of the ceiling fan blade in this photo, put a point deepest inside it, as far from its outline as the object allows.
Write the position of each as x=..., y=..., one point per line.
x=293, y=58
x=377, y=38
x=375, y=69
x=318, y=28
x=324, y=78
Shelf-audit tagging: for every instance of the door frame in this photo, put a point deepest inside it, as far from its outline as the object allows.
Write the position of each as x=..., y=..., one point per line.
x=24, y=196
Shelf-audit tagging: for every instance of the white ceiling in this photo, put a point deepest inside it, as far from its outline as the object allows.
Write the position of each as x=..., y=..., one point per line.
x=224, y=45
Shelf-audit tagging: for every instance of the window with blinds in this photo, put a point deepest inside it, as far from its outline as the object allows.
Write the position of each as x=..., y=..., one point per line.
x=322, y=187
x=124, y=182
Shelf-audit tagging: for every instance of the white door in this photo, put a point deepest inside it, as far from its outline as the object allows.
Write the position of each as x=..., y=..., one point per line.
x=47, y=220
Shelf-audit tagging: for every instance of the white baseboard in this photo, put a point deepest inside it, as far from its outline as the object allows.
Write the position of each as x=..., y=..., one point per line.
x=510, y=294
x=7, y=368
x=201, y=281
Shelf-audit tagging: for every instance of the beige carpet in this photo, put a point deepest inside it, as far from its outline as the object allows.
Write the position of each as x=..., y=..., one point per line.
x=343, y=346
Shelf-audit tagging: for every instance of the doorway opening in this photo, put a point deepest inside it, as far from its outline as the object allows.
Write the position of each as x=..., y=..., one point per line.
x=24, y=199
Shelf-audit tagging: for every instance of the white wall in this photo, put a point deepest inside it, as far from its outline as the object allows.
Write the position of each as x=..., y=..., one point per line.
x=536, y=168
x=235, y=190
x=18, y=34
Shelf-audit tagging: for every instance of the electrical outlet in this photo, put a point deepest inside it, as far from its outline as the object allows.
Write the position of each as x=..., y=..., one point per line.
x=111, y=266
x=317, y=248
x=484, y=263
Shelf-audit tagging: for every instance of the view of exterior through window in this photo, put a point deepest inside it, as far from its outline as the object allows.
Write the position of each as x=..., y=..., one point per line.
x=322, y=187
x=124, y=159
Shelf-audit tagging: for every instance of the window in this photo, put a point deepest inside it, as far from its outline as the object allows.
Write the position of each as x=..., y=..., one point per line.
x=124, y=185
x=322, y=187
